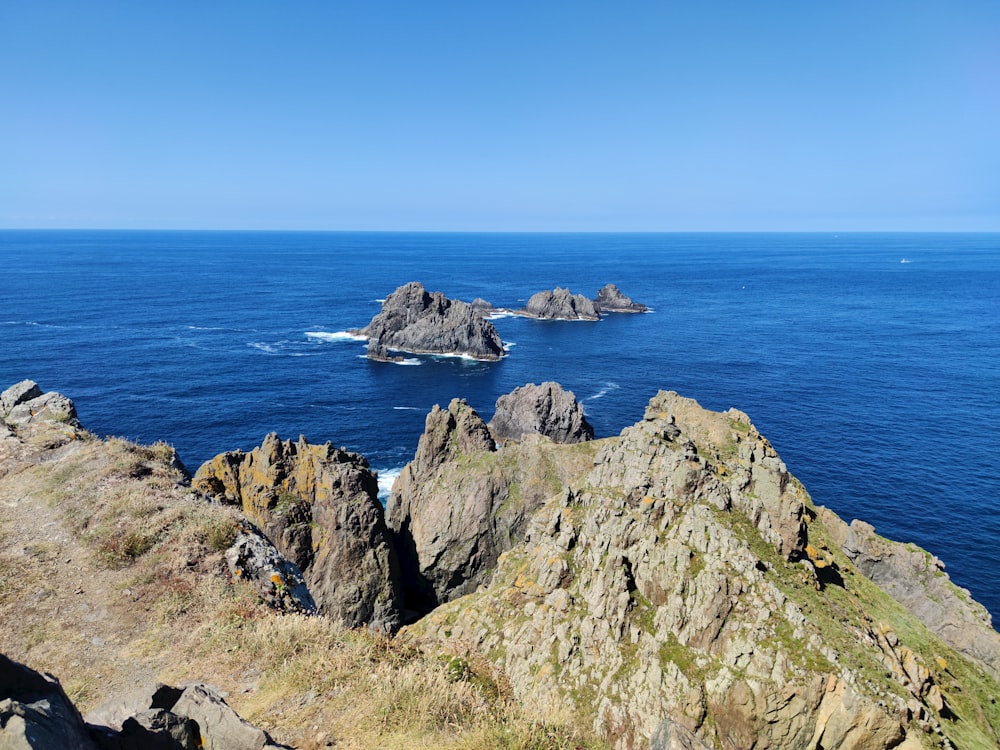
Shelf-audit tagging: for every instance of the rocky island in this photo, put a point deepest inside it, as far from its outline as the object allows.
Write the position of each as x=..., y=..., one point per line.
x=560, y=304
x=420, y=322
x=610, y=299
x=670, y=587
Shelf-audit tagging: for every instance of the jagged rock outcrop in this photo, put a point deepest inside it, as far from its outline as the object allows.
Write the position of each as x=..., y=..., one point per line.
x=611, y=299
x=687, y=577
x=461, y=502
x=253, y=557
x=916, y=579
x=421, y=322
x=544, y=409
x=482, y=306
x=319, y=505
x=560, y=304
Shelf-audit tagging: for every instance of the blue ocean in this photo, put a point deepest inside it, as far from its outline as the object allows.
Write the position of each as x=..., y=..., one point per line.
x=871, y=362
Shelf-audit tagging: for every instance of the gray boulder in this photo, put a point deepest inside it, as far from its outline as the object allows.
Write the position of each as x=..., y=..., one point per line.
x=190, y=717
x=36, y=713
x=18, y=394
x=421, y=322
x=253, y=557
x=560, y=304
x=610, y=299
x=544, y=409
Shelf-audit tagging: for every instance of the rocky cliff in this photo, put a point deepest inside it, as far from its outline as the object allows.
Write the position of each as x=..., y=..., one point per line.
x=560, y=304
x=319, y=504
x=421, y=322
x=686, y=586
x=611, y=299
x=461, y=502
x=544, y=409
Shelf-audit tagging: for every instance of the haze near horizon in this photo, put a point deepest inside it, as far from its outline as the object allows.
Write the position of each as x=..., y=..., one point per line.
x=517, y=117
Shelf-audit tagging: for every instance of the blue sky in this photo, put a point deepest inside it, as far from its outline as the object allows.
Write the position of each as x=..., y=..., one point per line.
x=514, y=116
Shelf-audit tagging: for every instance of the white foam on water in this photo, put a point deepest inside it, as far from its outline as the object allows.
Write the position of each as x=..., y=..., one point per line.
x=501, y=314
x=386, y=477
x=410, y=361
x=608, y=388
x=335, y=336
x=508, y=344
x=406, y=408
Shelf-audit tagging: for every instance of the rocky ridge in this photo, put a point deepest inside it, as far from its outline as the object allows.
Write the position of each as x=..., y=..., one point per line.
x=421, y=322
x=688, y=577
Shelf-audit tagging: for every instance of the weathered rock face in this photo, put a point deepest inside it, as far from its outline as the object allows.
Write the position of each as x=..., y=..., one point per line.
x=544, y=409
x=320, y=507
x=560, y=304
x=688, y=577
x=610, y=299
x=916, y=579
x=415, y=320
x=461, y=502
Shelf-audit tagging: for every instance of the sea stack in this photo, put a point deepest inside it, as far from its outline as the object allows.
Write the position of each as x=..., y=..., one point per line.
x=610, y=299
x=560, y=304
x=420, y=322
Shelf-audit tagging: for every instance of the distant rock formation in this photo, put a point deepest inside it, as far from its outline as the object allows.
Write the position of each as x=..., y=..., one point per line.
x=482, y=306
x=544, y=409
x=610, y=299
x=560, y=304
x=461, y=502
x=421, y=322
x=319, y=505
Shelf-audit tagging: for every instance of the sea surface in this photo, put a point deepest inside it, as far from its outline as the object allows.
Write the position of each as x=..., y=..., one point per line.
x=871, y=361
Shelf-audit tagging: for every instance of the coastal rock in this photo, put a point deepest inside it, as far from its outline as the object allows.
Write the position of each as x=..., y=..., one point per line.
x=421, y=322
x=916, y=579
x=482, y=306
x=544, y=409
x=319, y=505
x=560, y=304
x=679, y=580
x=461, y=502
x=610, y=299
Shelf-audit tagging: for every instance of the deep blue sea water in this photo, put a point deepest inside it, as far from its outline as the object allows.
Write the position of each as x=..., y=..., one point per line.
x=878, y=381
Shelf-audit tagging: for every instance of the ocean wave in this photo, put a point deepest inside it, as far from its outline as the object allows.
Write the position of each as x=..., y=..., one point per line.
x=608, y=388
x=335, y=336
x=280, y=349
x=501, y=314
x=411, y=361
x=386, y=478
x=508, y=344
x=406, y=408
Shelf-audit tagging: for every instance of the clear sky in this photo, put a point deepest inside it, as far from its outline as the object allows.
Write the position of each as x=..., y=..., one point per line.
x=646, y=116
